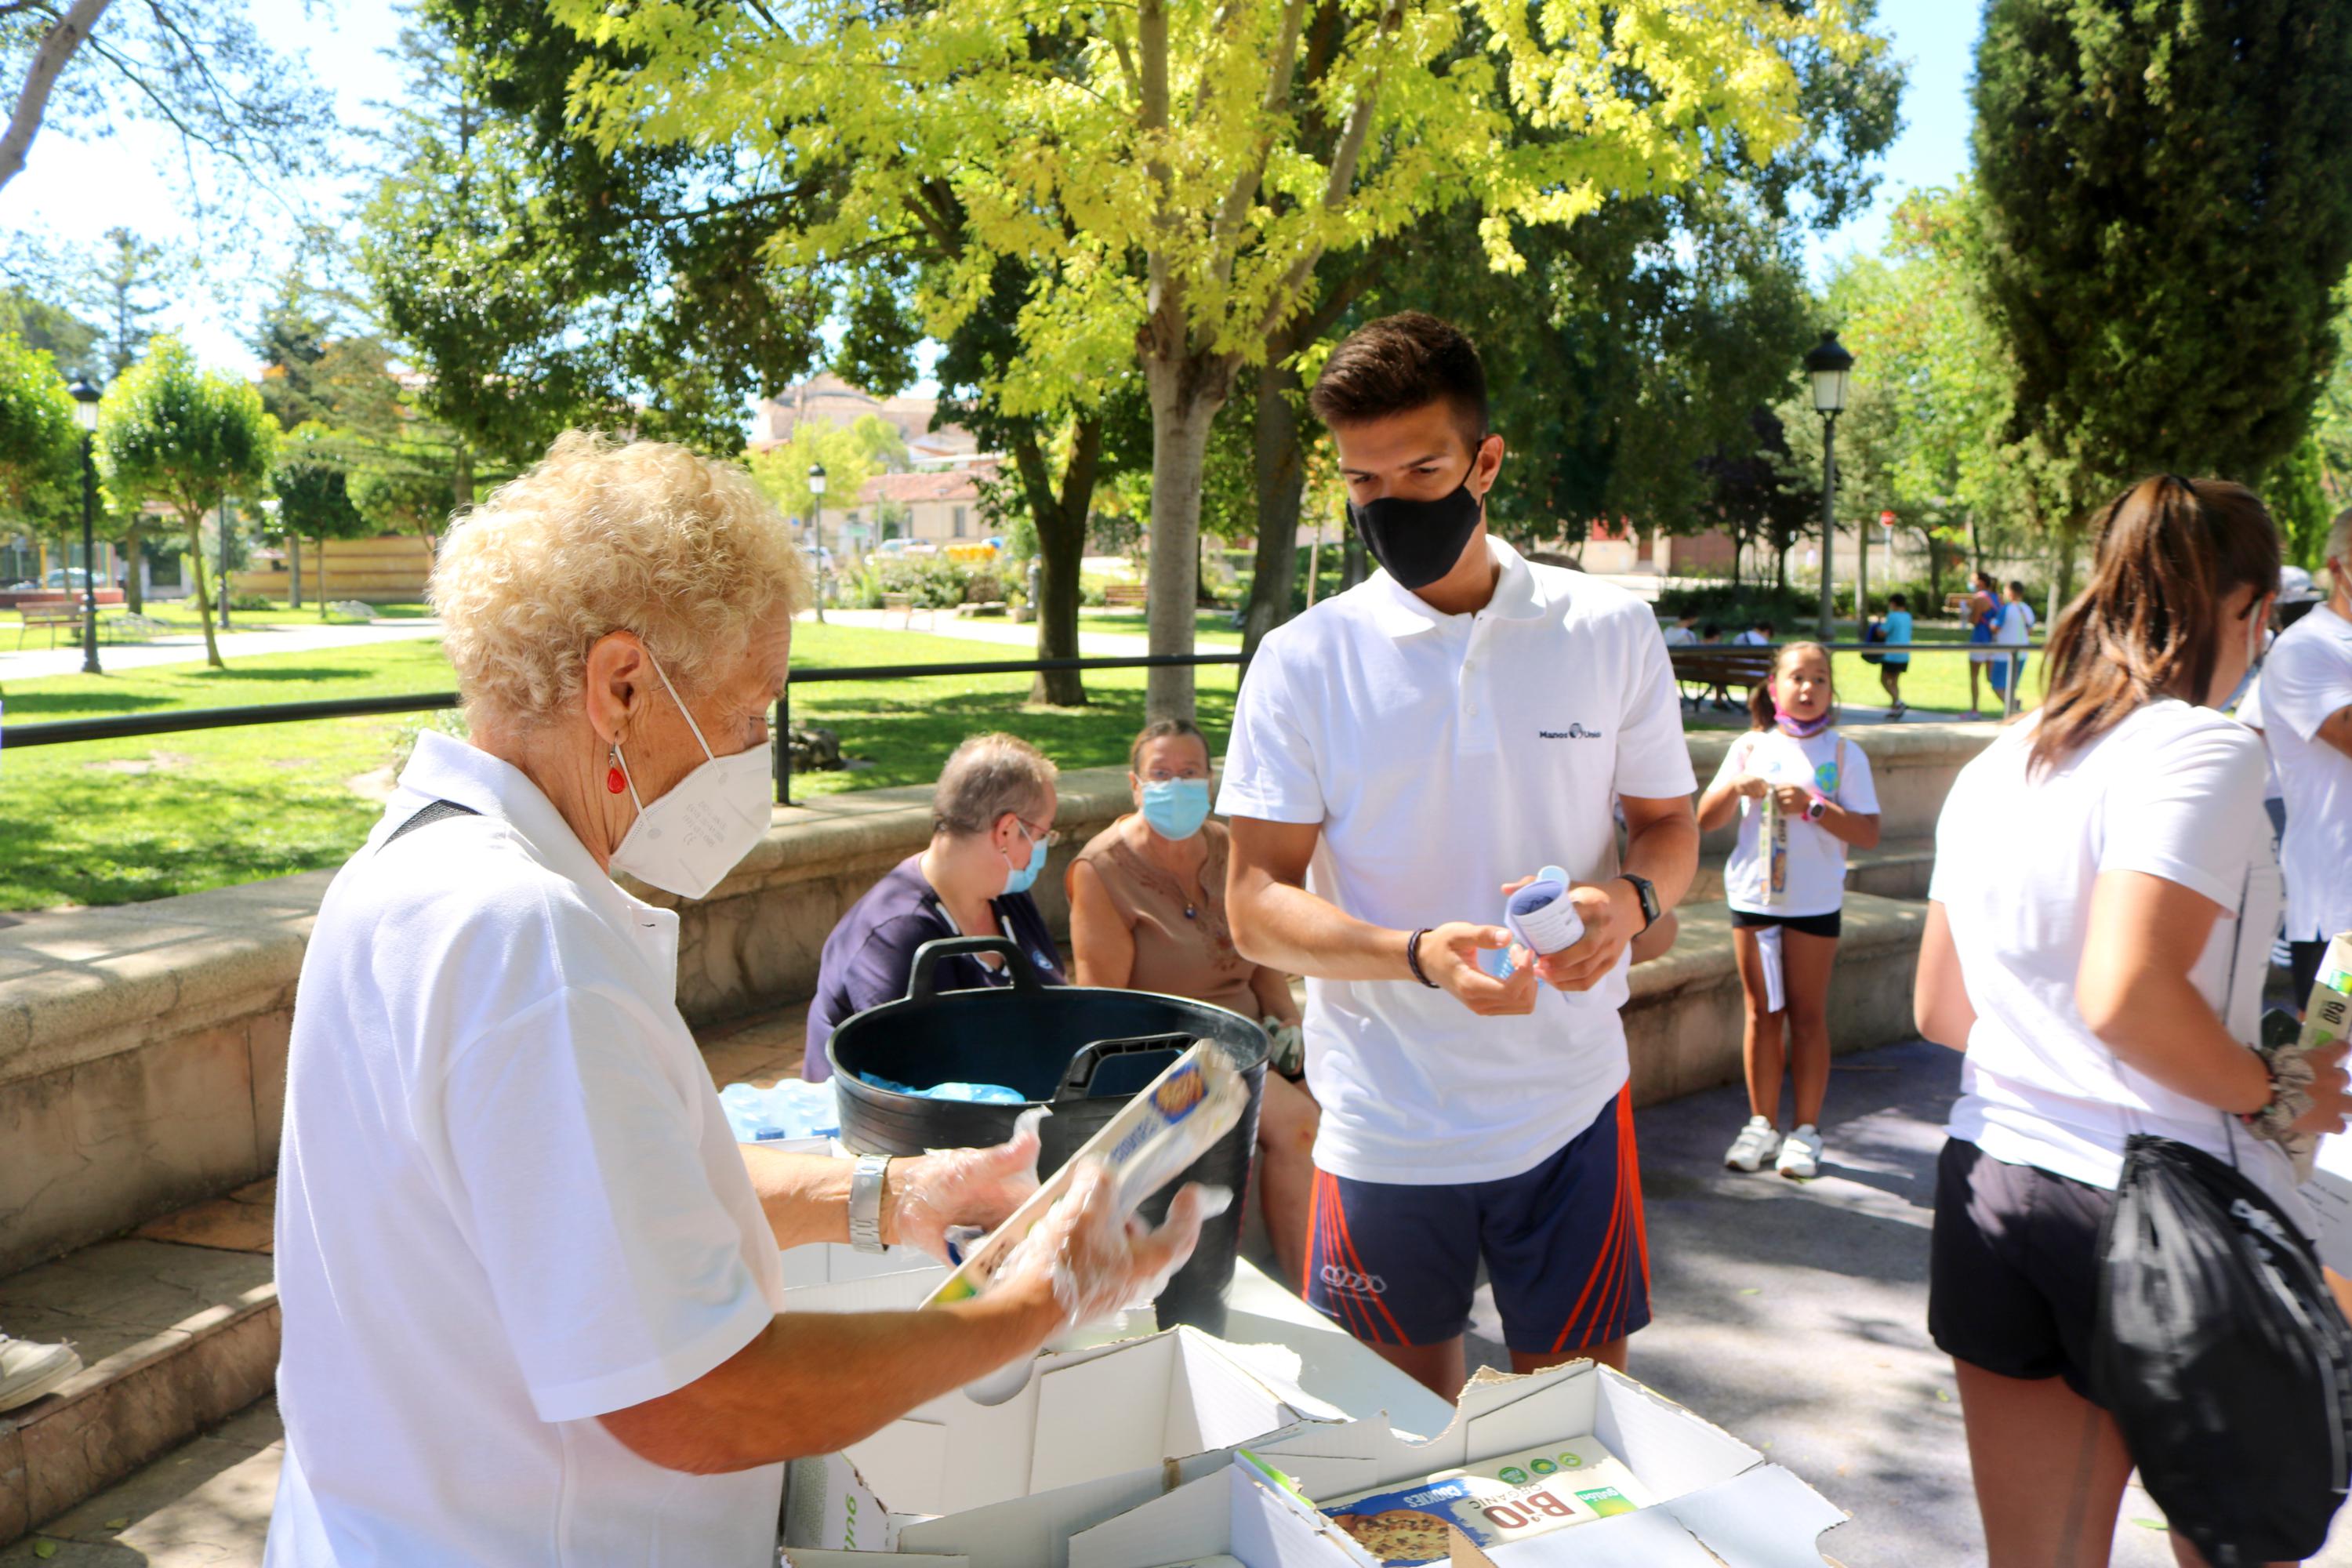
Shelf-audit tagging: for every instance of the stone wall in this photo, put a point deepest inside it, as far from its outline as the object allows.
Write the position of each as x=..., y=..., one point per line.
x=142, y=1048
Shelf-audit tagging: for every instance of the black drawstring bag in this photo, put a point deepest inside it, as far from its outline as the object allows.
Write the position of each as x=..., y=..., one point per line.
x=2222, y=1357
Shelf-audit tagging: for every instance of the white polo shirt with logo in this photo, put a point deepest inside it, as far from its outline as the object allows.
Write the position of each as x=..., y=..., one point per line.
x=2307, y=681
x=508, y=1204
x=1444, y=756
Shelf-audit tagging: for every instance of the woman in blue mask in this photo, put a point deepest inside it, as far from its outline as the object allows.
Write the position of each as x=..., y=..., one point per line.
x=992, y=830
x=1148, y=913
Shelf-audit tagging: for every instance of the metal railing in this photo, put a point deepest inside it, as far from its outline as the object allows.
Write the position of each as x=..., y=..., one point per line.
x=133, y=726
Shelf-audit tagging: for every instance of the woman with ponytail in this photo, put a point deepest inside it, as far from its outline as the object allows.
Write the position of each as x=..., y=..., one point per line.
x=1804, y=796
x=2098, y=932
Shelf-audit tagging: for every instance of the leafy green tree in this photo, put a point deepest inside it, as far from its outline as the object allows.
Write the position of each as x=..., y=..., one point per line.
x=53, y=328
x=314, y=497
x=2167, y=211
x=133, y=277
x=852, y=454
x=200, y=70
x=40, y=444
x=174, y=433
x=1175, y=174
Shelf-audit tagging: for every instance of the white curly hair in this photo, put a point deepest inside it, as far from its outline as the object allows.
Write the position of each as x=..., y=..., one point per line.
x=606, y=536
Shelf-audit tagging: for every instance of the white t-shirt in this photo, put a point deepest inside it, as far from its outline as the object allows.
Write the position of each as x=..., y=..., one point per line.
x=1751, y=638
x=1813, y=880
x=2016, y=628
x=2306, y=679
x=2175, y=792
x=2250, y=714
x=507, y=1203
x=1680, y=636
x=1443, y=756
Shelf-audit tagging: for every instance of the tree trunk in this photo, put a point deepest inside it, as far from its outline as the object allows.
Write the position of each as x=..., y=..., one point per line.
x=1281, y=475
x=1780, y=566
x=1061, y=521
x=294, y=571
x=461, y=484
x=134, y=565
x=196, y=521
x=1187, y=390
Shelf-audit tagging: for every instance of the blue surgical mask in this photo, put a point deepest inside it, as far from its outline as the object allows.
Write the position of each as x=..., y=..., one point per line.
x=1021, y=878
x=1176, y=807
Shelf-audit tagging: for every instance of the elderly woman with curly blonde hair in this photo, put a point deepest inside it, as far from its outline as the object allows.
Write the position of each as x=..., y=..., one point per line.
x=531, y=1289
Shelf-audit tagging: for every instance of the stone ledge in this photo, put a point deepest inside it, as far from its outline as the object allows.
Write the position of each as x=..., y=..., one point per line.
x=1685, y=1020
x=1897, y=868
x=176, y=1338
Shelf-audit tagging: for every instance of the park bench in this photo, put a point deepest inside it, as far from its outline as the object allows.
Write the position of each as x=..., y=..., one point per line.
x=1123, y=596
x=1704, y=668
x=52, y=616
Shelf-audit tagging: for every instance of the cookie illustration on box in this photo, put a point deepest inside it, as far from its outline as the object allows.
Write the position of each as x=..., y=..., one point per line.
x=1399, y=1535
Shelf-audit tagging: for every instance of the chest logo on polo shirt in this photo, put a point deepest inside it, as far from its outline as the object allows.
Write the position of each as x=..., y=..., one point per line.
x=1573, y=732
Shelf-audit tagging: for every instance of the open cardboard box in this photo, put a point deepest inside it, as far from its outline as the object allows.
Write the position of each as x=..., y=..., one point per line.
x=1719, y=1504
x=1236, y=1512
x=1006, y=1485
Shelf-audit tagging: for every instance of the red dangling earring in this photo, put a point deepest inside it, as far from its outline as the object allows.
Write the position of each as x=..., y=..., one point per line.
x=615, y=781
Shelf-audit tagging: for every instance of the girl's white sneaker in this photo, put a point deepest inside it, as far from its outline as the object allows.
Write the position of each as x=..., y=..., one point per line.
x=1801, y=1154
x=1757, y=1143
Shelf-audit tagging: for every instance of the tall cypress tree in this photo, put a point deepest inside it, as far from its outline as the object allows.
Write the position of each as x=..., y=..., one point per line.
x=2168, y=207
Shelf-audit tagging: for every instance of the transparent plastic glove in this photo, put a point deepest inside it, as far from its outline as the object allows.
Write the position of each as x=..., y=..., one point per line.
x=948, y=1187
x=1098, y=1262
x=1286, y=1046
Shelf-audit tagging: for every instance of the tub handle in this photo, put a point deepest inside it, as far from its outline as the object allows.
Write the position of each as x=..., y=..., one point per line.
x=923, y=984
x=1079, y=1079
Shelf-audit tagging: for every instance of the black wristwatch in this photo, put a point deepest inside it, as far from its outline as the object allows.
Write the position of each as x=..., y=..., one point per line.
x=1647, y=894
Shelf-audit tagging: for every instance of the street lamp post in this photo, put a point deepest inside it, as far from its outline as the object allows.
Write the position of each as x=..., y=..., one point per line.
x=85, y=398
x=816, y=496
x=1828, y=365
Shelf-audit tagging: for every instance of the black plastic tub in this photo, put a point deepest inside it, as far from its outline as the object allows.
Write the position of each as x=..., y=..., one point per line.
x=1082, y=1050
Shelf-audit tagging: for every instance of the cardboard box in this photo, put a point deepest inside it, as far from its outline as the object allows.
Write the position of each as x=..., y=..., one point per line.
x=1090, y=1437
x=2327, y=1021
x=1719, y=1504
x=1235, y=1513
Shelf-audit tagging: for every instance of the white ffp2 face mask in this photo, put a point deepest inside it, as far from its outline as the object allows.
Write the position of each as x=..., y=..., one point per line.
x=707, y=822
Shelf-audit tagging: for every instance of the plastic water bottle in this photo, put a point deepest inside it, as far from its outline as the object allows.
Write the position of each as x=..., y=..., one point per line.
x=794, y=1107
x=1542, y=916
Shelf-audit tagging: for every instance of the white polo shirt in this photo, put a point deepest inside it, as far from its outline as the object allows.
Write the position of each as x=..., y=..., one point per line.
x=1443, y=756
x=2306, y=679
x=507, y=1203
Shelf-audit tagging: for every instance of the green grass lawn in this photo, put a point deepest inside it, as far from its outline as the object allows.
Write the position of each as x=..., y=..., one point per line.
x=1212, y=628
x=117, y=821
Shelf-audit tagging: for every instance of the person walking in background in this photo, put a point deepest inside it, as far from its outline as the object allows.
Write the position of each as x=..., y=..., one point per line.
x=1148, y=913
x=1804, y=797
x=991, y=827
x=1984, y=615
x=2095, y=972
x=1896, y=664
x=2306, y=712
x=1402, y=756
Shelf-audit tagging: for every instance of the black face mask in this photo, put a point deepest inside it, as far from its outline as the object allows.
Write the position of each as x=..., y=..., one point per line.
x=1418, y=541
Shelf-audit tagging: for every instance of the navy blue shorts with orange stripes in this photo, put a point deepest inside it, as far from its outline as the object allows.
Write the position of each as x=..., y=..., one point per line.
x=1564, y=1246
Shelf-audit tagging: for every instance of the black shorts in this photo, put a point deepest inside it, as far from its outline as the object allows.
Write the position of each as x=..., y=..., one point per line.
x=1827, y=925
x=2013, y=1267
x=2304, y=963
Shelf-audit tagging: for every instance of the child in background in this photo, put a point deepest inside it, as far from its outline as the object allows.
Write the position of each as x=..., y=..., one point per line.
x=1895, y=666
x=1804, y=797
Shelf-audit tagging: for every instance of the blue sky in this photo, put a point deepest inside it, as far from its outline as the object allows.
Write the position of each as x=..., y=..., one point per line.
x=75, y=190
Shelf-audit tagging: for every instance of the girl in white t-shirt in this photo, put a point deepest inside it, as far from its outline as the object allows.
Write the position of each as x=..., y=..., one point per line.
x=1803, y=795
x=2097, y=931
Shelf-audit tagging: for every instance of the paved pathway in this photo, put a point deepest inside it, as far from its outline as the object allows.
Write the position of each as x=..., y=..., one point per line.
x=1792, y=1315
x=188, y=648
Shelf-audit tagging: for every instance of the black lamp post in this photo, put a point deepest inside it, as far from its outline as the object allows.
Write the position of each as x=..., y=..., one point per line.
x=1828, y=365
x=817, y=503
x=85, y=398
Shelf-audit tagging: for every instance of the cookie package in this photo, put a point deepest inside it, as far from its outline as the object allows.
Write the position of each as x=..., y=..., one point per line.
x=1497, y=1500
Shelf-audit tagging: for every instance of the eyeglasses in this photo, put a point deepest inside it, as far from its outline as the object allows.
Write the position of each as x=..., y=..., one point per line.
x=1049, y=837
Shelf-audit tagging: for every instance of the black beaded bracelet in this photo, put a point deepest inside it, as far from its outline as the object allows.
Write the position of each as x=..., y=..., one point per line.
x=1413, y=958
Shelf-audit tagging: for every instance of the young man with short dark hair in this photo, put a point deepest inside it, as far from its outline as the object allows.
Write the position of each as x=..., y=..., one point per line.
x=1403, y=755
